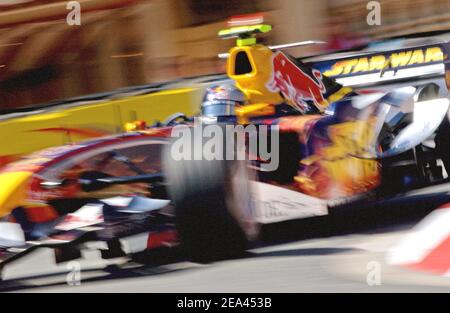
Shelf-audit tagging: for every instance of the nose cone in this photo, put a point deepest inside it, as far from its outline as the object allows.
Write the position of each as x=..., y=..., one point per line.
x=13, y=188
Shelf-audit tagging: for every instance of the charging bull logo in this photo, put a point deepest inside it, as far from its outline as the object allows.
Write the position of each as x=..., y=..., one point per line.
x=297, y=87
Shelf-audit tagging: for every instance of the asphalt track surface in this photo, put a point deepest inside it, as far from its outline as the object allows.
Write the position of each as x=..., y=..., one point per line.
x=315, y=255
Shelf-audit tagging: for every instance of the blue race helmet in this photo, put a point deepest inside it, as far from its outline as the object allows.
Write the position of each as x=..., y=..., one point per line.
x=221, y=100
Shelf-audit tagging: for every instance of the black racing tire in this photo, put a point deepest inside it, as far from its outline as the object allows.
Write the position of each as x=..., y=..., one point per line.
x=208, y=222
x=428, y=92
x=442, y=141
x=442, y=138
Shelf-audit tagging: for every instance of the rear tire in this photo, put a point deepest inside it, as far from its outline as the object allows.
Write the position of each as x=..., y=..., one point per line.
x=442, y=141
x=442, y=138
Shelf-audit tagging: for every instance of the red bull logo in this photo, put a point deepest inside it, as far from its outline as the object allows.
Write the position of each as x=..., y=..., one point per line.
x=295, y=85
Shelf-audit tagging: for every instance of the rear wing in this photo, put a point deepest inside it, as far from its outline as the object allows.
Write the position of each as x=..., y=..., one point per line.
x=371, y=69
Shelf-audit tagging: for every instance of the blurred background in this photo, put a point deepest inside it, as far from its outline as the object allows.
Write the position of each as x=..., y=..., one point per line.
x=134, y=42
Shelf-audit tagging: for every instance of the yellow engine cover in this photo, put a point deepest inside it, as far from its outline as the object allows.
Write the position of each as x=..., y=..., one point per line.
x=253, y=83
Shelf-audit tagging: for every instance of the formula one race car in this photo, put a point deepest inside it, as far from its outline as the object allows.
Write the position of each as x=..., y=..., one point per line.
x=337, y=147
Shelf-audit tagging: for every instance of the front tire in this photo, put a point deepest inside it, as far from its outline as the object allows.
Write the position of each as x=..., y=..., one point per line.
x=212, y=201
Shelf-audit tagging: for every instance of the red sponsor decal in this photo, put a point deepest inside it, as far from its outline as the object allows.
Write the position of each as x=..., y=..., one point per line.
x=297, y=86
x=165, y=238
